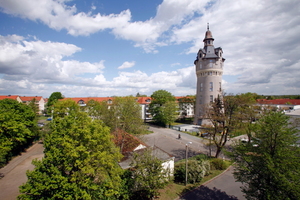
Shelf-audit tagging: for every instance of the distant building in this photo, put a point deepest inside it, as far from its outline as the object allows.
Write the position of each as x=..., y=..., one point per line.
x=209, y=70
x=39, y=102
x=281, y=104
x=14, y=97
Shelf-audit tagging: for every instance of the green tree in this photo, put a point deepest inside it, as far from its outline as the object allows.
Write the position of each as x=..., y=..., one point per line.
x=81, y=161
x=222, y=116
x=54, y=98
x=124, y=113
x=159, y=105
x=140, y=95
x=18, y=128
x=269, y=166
x=148, y=175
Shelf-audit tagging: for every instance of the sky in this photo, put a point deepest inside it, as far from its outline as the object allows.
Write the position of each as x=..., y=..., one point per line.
x=102, y=48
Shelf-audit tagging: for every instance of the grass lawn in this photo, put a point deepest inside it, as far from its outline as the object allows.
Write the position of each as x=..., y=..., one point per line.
x=174, y=190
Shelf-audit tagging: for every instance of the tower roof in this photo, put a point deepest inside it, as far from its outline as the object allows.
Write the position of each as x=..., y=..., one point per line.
x=208, y=34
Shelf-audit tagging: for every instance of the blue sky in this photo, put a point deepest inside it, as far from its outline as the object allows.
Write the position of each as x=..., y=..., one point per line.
x=117, y=48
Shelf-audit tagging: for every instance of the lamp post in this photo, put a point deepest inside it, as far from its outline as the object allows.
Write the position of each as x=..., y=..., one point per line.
x=186, y=164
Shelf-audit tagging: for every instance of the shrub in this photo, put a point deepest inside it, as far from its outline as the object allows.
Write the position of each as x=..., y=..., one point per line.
x=197, y=169
x=218, y=164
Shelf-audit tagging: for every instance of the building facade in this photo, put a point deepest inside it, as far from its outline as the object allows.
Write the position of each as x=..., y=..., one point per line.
x=209, y=65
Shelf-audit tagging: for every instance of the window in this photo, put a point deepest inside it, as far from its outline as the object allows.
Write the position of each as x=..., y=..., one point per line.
x=211, y=86
x=210, y=63
x=211, y=98
x=220, y=86
x=200, y=99
x=210, y=73
x=201, y=87
x=200, y=65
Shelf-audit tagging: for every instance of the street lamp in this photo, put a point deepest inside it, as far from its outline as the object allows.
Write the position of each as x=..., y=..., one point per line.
x=186, y=164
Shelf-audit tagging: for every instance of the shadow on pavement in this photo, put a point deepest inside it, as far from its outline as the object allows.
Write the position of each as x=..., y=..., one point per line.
x=205, y=193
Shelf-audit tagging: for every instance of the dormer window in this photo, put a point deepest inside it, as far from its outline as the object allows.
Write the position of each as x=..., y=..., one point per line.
x=80, y=102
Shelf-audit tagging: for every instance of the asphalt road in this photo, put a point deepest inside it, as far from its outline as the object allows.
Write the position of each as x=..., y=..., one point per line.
x=222, y=187
x=15, y=172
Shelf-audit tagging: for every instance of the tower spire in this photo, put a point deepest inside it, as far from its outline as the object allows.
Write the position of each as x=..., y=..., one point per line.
x=207, y=26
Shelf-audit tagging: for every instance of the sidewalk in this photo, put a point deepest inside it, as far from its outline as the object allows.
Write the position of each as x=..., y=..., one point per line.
x=15, y=171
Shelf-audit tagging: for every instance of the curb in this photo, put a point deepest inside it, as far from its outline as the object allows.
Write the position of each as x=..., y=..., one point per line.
x=178, y=198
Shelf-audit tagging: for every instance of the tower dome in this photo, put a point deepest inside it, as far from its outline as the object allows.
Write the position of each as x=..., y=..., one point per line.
x=208, y=34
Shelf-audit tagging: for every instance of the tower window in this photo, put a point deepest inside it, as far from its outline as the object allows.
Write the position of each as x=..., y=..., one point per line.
x=200, y=65
x=220, y=86
x=210, y=63
x=211, y=98
x=200, y=99
x=211, y=86
x=201, y=87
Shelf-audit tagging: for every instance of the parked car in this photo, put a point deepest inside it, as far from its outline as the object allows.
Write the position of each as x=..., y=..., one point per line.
x=41, y=124
x=204, y=134
x=49, y=118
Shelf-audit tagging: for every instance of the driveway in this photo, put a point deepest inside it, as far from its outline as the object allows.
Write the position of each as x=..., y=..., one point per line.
x=15, y=172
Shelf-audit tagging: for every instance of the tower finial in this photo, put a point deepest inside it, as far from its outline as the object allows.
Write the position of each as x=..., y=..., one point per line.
x=207, y=26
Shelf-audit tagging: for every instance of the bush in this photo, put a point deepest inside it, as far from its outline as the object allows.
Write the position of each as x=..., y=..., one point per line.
x=218, y=164
x=197, y=169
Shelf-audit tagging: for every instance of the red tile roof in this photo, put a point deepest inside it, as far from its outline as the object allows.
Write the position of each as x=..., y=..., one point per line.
x=9, y=97
x=129, y=141
x=144, y=100
x=279, y=101
x=30, y=98
x=87, y=99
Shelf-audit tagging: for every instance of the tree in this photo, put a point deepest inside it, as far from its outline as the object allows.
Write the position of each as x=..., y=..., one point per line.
x=159, y=105
x=124, y=113
x=81, y=161
x=269, y=166
x=222, y=116
x=140, y=95
x=18, y=128
x=148, y=175
x=54, y=98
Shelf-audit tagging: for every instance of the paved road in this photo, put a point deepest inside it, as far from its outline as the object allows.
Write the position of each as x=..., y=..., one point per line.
x=222, y=187
x=15, y=172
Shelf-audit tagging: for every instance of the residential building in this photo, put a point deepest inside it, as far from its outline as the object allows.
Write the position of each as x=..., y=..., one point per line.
x=209, y=65
x=38, y=100
x=14, y=97
x=281, y=104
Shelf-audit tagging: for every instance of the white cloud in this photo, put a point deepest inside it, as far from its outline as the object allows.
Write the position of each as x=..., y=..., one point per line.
x=127, y=65
x=41, y=62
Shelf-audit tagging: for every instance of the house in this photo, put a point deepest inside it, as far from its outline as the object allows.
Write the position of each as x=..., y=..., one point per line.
x=14, y=97
x=39, y=102
x=186, y=104
x=130, y=144
x=144, y=103
x=281, y=104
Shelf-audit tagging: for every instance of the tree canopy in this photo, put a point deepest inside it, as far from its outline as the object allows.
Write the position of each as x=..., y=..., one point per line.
x=163, y=107
x=18, y=127
x=81, y=161
x=124, y=113
x=54, y=98
x=269, y=165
